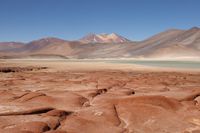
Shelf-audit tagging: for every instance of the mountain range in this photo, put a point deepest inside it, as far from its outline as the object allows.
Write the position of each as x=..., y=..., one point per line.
x=104, y=38
x=172, y=43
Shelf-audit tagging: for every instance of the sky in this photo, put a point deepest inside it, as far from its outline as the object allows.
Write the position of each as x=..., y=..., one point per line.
x=26, y=20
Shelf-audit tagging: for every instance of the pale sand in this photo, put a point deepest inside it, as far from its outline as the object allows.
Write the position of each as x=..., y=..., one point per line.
x=85, y=65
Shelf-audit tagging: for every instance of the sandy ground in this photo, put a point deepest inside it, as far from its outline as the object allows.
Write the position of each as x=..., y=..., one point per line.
x=88, y=65
x=96, y=97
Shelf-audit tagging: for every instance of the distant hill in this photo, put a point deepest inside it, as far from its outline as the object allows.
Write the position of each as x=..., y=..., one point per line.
x=171, y=43
x=168, y=44
x=10, y=45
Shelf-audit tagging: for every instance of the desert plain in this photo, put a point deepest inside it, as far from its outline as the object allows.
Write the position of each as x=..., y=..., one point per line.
x=40, y=96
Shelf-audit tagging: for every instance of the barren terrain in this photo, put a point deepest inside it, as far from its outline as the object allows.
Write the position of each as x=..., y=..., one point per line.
x=78, y=97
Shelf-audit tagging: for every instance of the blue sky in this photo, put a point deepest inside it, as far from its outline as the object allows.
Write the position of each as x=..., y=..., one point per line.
x=25, y=20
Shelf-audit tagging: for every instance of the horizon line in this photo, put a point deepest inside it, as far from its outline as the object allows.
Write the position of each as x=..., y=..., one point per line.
x=57, y=37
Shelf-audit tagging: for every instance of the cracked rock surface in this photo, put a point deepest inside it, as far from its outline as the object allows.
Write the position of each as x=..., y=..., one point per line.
x=100, y=101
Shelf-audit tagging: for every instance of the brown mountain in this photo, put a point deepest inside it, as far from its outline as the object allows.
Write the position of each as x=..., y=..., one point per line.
x=43, y=47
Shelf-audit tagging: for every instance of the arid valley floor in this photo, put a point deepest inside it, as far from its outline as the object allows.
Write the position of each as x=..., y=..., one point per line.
x=78, y=97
